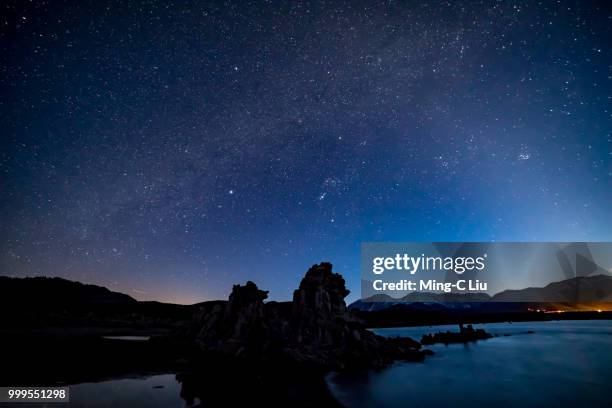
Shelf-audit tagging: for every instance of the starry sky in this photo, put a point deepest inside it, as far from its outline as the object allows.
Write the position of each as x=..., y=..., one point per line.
x=171, y=149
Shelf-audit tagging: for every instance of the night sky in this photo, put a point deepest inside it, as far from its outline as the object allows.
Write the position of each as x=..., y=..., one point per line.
x=171, y=149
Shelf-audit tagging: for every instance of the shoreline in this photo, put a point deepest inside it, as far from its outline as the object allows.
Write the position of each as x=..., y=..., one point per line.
x=438, y=319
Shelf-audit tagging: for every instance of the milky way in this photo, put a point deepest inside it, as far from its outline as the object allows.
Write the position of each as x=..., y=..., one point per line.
x=169, y=150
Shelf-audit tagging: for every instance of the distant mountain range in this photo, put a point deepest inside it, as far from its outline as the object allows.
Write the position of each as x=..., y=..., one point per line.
x=588, y=289
x=597, y=288
x=41, y=302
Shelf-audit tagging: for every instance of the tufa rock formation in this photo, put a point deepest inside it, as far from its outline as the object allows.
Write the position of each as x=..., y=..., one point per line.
x=314, y=329
x=465, y=335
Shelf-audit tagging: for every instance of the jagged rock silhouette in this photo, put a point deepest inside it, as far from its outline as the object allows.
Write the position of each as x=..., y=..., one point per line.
x=314, y=329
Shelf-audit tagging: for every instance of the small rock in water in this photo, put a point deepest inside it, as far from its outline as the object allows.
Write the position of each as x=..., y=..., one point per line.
x=465, y=335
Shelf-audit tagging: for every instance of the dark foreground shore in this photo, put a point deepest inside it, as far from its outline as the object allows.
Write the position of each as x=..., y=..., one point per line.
x=64, y=359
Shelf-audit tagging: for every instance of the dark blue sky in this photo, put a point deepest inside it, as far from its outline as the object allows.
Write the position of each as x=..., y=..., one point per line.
x=171, y=149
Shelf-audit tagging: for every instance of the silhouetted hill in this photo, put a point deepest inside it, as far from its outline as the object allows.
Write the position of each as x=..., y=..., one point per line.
x=52, y=292
x=57, y=302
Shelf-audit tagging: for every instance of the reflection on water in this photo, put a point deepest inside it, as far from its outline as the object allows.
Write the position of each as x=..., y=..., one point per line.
x=161, y=391
x=565, y=363
x=218, y=383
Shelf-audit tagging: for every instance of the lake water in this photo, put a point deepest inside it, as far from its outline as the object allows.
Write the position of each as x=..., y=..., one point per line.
x=158, y=391
x=562, y=364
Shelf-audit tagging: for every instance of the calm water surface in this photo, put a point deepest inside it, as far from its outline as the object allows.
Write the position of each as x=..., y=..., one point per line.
x=158, y=391
x=564, y=363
